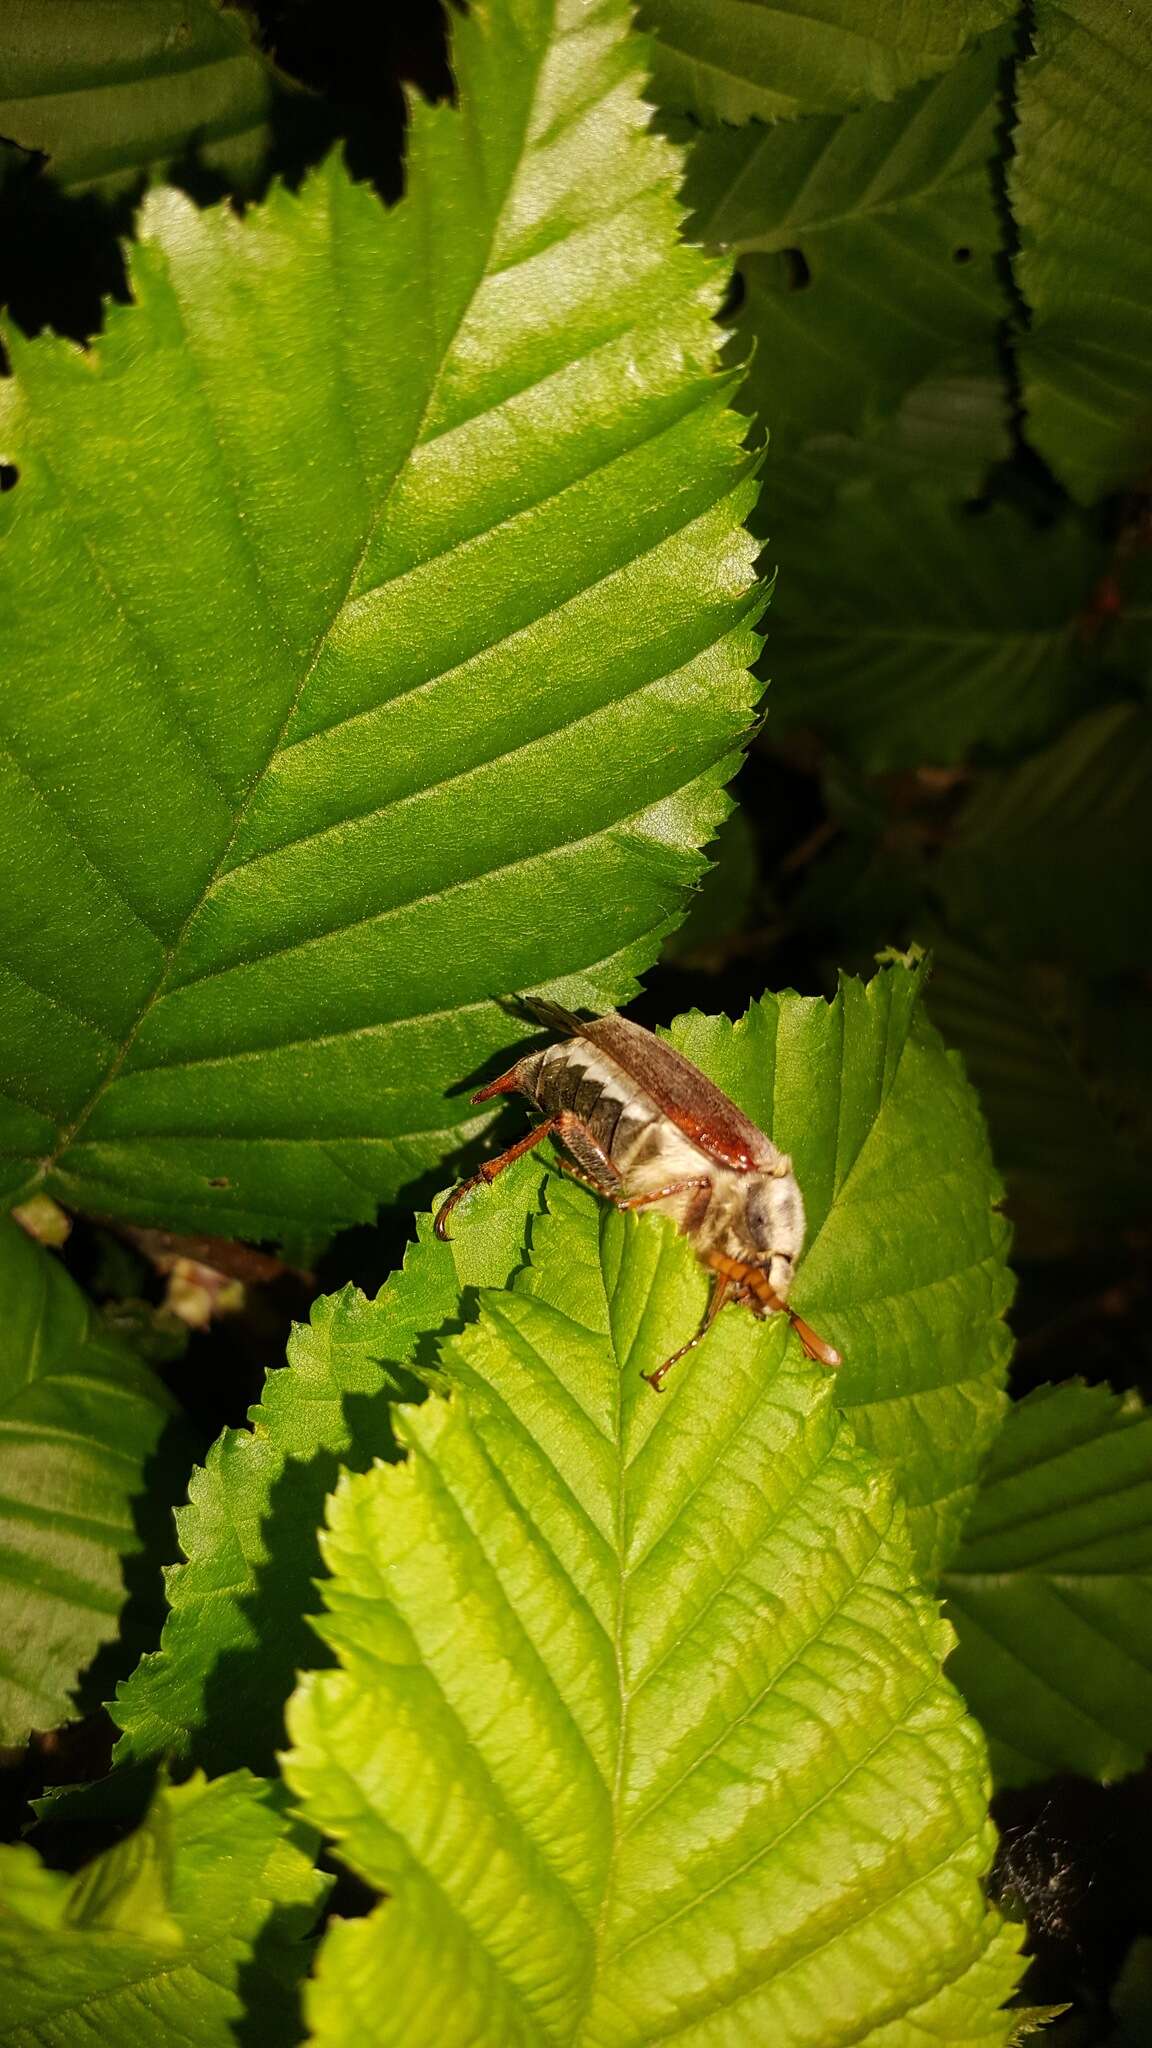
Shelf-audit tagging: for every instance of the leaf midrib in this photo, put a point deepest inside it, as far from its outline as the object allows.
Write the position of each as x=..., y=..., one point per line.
x=68, y=1136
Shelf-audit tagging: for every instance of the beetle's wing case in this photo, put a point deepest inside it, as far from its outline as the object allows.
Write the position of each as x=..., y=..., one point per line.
x=686, y=1096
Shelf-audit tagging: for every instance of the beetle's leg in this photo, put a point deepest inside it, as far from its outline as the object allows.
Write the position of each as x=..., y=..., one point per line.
x=487, y=1173
x=593, y=1166
x=721, y=1292
x=674, y=1187
x=504, y=1084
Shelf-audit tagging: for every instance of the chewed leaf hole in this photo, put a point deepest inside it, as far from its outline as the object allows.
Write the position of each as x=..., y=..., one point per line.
x=796, y=270
x=963, y=254
x=9, y=476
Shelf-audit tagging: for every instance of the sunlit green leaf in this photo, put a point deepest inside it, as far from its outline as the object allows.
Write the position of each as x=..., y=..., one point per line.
x=905, y=1267
x=79, y=1420
x=730, y=59
x=1051, y=1589
x=389, y=570
x=1080, y=186
x=154, y=1941
x=638, y=1719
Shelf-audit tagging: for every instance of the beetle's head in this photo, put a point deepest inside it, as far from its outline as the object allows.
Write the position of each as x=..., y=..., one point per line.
x=774, y=1219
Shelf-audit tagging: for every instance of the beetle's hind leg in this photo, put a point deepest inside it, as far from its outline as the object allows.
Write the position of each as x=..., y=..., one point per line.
x=588, y=1163
x=487, y=1173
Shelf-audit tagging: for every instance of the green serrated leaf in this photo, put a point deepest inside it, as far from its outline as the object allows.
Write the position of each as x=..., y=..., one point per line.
x=403, y=656
x=912, y=631
x=112, y=92
x=905, y=1267
x=1080, y=186
x=1052, y=859
x=725, y=899
x=1051, y=1589
x=638, y=1718
x=729, y=60
x=869, y=246
x=150, y=1942
x=237, y=1631
x=80, y=1418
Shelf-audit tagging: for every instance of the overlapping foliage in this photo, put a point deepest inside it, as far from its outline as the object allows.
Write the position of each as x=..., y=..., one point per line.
x=194, y=1919
x=80, y=1420
x=905, y=1271
x=1051, y=1589
x=382, y=606
x=580, y=1730
x=356, y=710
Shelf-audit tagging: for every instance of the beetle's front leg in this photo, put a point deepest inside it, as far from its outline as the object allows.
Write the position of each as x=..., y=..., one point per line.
x=722, y=1291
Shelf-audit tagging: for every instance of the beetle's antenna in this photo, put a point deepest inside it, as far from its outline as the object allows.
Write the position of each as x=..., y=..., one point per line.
x=755, y=1282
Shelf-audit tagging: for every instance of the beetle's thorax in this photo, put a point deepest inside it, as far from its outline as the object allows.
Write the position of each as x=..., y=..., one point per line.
x=755, y=1216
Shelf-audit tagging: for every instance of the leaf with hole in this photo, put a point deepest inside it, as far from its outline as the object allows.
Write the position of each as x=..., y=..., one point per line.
x=869, y=247
x=1080, y=188
x=390, y=566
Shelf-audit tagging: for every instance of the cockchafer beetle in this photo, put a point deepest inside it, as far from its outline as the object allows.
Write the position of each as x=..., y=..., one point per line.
x=646, y=1129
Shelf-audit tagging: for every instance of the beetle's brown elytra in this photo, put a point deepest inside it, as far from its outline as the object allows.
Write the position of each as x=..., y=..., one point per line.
x=646, y=1129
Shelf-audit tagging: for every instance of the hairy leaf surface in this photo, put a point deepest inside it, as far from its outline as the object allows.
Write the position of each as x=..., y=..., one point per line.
x=731, y=59
x=639, y=1718
x=868, y=245
x=1080, y=185
x=79, y=1420
x=150, y=1943
x=905, y=1272
x=108, y=92
x=390, y=570
x=1051, y=1589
